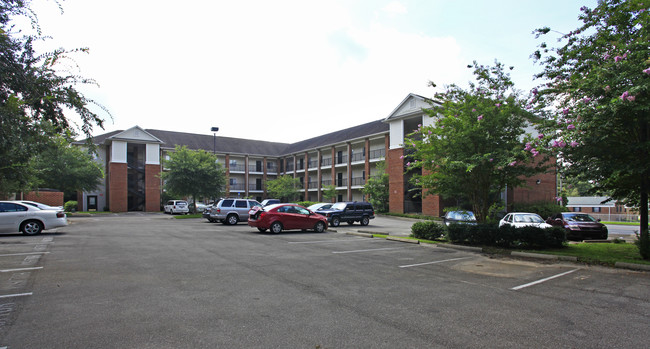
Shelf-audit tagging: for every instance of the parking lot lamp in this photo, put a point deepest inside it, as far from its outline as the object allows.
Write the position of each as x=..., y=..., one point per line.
x=214, y=143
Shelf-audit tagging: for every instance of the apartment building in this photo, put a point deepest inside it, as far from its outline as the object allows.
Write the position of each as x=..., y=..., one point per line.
x=134, y=158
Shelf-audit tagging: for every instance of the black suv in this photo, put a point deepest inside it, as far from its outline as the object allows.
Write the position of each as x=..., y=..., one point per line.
x=350, y=212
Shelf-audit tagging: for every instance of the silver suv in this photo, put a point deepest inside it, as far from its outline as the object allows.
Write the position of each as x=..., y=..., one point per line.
x=231, y=211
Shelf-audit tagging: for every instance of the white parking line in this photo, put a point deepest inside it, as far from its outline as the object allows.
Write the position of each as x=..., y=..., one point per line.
x=333, y=241
x=19, y=269
x=542, y=280
x=435, y=262
x=22, y=254
x=371, y=250
x=16, y=295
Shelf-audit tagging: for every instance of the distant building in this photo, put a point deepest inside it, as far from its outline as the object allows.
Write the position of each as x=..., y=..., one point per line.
x=599, y=207
x=134, y=159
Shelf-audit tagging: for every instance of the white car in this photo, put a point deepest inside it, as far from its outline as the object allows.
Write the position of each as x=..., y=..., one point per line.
x=320, y=206
x=177, y=206
x=41, y=206
x=523, y=219
x=29, y=220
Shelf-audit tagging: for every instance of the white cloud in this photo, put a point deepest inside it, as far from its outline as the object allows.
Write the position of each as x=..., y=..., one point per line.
x=395, y=7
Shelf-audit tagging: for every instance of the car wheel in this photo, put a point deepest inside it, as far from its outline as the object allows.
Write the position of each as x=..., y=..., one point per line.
x=262, y=230
x=276, y=227
x=365, y=220
x=350, y=222
x=211, y=220
x=31, y=227
x=319, y=227
x=232, y=219
x=336, y=221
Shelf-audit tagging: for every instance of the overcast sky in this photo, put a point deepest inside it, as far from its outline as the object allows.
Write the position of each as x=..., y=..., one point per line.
x=287, y=70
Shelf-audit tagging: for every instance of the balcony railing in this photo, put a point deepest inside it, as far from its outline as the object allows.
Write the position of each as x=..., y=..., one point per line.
x=358, y=181
x=237, y=187
x=342, y=159
x=358, y=157
x=237, y=168
x=326, y=162
x=379, y=153
x=326, y=182
x=312, y=164
x=255, y=187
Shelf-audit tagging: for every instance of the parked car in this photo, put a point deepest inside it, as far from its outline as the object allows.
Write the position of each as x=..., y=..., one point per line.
x=349, y=212
x=459, y=217
x=231, y=211
x=523, y=219
x=579, y=226
x=30, y=220
x=200, y=207
x=267, y=202
x=280, y=217
x=177, y=206
x=40, y=205
x=320, y=207
x=206, y=213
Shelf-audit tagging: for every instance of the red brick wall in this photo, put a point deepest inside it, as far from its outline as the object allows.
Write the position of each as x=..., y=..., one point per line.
x=395, y=168
x=533, y=192
x=152, y=188
x=117, y=187
x=52, y=198
x=431, y=203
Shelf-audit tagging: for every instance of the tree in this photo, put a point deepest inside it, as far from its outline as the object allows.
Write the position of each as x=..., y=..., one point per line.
x=284, y=187
x=193, y=173
x=377, y=188
x=329, y=192
x=66, y=168
x=35, y=96
x=596, y=95
x=474, y=146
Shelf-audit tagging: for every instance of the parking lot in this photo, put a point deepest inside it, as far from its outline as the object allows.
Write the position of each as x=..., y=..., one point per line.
x=148, y=281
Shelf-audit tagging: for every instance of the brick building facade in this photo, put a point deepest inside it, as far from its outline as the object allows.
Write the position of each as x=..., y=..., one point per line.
x=134, y=158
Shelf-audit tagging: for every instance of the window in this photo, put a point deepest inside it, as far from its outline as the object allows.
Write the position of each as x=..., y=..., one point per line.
x=11, y=207
x=241, y=203
x=227, y=203
x=595, y=209
x=233, y=181
x=233, y=163
x=577, y=209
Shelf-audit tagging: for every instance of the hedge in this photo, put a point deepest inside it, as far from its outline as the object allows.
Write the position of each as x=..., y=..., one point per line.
x=428, y=230
x=506, y=236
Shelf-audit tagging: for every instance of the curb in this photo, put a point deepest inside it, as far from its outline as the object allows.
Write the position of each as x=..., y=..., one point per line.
x=365, y=235
x=462, y=247
x=403, y=240
x=373, y=232
x=544, y=256
x=633, y=266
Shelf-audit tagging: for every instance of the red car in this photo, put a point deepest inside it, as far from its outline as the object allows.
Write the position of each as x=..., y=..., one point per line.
x=280, y=217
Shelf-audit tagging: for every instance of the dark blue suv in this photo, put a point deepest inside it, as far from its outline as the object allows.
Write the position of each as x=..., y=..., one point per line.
x=349, y=212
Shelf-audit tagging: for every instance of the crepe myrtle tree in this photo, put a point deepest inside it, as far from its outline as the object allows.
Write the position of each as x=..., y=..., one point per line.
x=596, y=99
x=284, y=188
x=474, y=146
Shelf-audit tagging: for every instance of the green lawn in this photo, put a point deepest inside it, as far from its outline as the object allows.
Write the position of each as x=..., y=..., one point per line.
x=600, y=253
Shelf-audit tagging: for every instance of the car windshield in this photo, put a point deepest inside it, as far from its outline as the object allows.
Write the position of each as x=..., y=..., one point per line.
x=462, y=215
x=339, y=206
x=528, y=218
x=574, y=217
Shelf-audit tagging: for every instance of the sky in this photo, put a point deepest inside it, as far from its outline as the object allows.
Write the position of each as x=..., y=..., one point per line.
x=287, y=70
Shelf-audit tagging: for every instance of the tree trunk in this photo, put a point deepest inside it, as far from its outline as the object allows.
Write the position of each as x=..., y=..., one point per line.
x=644, y=238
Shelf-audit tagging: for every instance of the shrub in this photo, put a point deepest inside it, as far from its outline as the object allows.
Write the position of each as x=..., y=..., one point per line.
x=305, y=203
x=428, y=230
x=544, y=209
x=506, y=236
x=70, y=206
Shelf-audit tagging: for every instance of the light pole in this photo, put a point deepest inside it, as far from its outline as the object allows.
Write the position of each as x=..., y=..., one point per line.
x=214, y=143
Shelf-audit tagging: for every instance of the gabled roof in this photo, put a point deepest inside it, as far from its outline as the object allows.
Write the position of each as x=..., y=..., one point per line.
x=411, y=105
x=135, y=134
x=590, y=201
x=231, y=145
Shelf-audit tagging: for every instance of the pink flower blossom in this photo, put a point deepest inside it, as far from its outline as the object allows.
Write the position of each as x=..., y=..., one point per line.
x=528, y=146
x=512, y=163
x=408, y=164
x=558, y=199
x=473, y=110
x=618, y=58
x=480, y=117
x=607, y=88
x=586, y=100
x=556, y=144
x=571, y=127
x=574, y=144
x=631, y=98
x=647, y=71
x=491, y=159
x=562, y=144
x=535, y=91
x=401, y=157
x=606, y=56
x=565, y=111
x=497, y=105
x=540, y=136
x=535, y=152
x=624, y=95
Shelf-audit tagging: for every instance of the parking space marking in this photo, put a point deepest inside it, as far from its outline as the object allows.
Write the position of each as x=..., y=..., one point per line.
x=331, y=241
x=22, y=254
x=371, y=250
x=543, y=280
x=16, y=295
x=19, y=269
x=434, y=262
